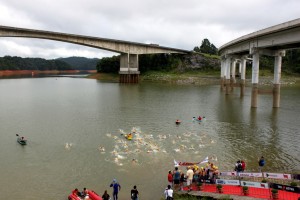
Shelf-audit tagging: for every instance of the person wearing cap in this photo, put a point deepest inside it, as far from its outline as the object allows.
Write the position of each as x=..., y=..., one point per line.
x=116, y=188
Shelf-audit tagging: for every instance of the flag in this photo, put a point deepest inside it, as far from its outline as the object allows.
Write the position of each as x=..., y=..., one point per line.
x=205, y=160
x=176, y=163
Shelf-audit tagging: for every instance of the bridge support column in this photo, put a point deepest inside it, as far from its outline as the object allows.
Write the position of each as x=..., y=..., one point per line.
x=227, y=68
x=242, y=69
x=255, y=74
x=276, y=84
x=223, y=74
x=233, y=67
x=129, y=65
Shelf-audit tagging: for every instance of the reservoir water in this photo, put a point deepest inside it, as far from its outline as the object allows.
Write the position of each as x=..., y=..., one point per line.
x=75, y=128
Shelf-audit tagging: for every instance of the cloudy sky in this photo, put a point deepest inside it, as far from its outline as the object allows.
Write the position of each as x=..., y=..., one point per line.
x=172, y=23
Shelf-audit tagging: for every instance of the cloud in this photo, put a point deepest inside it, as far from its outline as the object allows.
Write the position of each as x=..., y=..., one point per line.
x=178, y=24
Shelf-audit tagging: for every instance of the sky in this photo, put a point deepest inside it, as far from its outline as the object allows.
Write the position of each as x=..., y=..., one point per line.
x=171, y=23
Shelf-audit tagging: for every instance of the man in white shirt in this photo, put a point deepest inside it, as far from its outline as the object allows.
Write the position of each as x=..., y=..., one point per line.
x=169, y=193
x=189, y=174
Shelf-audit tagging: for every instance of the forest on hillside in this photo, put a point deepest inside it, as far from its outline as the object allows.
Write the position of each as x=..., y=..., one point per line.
x=71, y=63
x=18, y=63
x=81, y=63
x=169, y=62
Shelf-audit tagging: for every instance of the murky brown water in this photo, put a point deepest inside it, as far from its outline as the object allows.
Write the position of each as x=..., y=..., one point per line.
x=66, y=120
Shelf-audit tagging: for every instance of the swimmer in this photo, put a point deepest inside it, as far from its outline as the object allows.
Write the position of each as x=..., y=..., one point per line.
x=102, y=149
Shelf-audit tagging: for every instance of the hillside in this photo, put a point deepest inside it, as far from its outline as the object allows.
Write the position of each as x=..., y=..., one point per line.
x=71, y=63
x=18, y=63
x=81, y=63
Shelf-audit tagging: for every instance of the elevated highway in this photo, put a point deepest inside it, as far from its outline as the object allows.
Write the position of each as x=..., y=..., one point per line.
x=130, y=51
x=272, y=41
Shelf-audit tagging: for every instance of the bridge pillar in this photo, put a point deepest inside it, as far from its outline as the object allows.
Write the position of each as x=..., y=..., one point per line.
x=233, y=67
x=242, y=69
x=227, y=68
x=255, y=74
x=223, y=73
x=277, y=76
x=129, y=65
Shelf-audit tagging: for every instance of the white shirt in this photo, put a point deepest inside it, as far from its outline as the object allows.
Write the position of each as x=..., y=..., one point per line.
x=169, y=192
x=190, y=174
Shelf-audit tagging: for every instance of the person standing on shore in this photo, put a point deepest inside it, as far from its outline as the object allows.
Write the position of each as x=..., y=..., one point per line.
x=170, y=178
x=105, y=195
x=243, y=165
x=261, y=163
x=169, y=193
x=134, y=193
x=189, y=175
x=116, y=188
x=176, y=178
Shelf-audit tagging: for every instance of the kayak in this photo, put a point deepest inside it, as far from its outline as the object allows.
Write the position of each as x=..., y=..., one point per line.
x=92, y=195
x=22, y=142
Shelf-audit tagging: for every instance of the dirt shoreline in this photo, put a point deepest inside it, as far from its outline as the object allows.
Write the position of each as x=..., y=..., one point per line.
x=4, y=73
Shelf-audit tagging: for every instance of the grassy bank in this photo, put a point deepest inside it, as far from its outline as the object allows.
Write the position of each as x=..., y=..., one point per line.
x=195, y=77
x=191, y=77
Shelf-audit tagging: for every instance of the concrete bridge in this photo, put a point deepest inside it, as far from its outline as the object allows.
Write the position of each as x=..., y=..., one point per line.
x=130, y=51
x=272, y=41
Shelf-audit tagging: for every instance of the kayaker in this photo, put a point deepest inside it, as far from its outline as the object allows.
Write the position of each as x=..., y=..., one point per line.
x=200, y=118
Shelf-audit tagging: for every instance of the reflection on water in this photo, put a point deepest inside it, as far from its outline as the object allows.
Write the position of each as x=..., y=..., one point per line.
x=76, y=127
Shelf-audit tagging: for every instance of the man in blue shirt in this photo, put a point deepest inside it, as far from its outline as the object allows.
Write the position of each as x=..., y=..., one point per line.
x=116, y=188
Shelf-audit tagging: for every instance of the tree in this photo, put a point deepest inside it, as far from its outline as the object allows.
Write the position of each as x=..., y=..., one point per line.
x=109, y=65
x=207, y=47
x=292, y=60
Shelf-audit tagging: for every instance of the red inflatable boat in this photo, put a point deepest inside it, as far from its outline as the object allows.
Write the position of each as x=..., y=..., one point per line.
x=92, y=195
